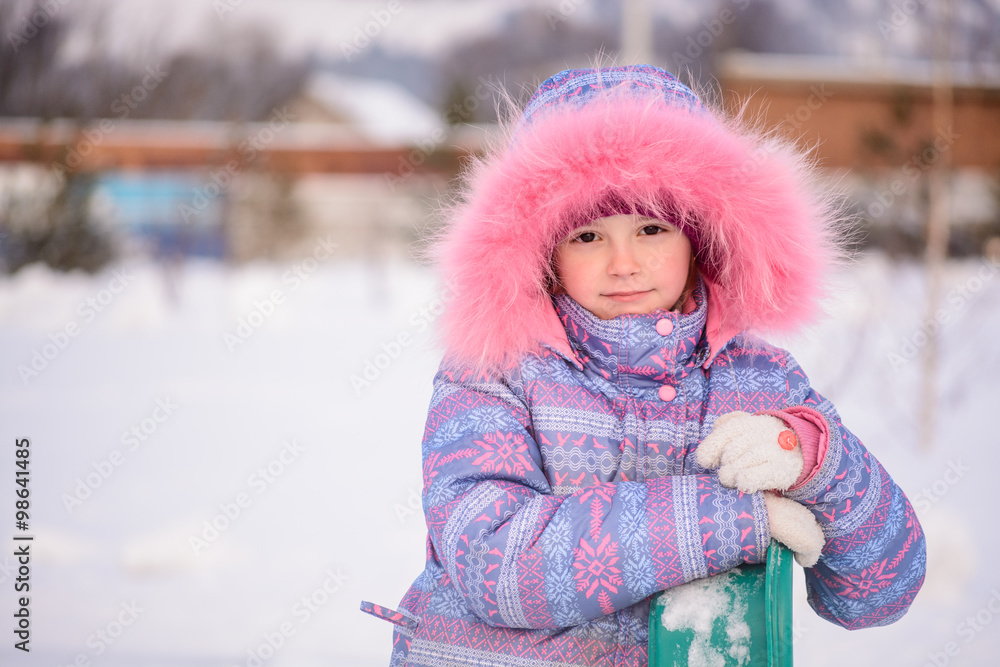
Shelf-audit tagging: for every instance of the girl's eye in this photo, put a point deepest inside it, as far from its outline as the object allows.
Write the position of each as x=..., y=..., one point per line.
x=587, y=237
x=649, y=230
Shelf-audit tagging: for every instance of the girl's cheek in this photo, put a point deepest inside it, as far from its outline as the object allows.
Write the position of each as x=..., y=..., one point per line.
x=657, y=257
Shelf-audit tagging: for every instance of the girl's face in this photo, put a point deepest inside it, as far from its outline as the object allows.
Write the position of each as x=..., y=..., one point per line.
x=624, y=264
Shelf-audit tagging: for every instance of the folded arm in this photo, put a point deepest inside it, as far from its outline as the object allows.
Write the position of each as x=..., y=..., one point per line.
x=523, y=557
x=874, y=560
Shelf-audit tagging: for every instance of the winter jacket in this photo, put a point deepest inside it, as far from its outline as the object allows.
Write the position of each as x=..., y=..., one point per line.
x=561, y=490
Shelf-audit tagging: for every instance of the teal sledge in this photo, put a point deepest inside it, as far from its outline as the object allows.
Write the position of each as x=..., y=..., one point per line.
x=740, y=618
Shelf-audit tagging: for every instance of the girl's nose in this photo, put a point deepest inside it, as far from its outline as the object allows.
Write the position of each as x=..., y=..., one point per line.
x=623, y=261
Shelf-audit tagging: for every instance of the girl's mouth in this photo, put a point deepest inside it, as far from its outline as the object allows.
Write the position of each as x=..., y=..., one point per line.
x=626, y=296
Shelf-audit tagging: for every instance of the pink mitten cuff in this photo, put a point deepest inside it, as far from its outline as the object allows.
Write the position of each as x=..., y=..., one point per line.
x=813, y=436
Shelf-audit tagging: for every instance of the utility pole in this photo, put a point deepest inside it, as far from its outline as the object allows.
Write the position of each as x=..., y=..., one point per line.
x=939, y=216
x=637, y=33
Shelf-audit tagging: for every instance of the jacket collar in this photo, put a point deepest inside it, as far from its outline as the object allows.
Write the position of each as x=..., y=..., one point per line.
x=629, y=349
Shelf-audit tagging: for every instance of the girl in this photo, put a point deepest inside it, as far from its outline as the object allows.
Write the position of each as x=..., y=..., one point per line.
x=605, y=425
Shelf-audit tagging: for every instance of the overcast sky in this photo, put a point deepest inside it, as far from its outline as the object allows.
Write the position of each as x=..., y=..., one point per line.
x=421, y=26
x=417, y=26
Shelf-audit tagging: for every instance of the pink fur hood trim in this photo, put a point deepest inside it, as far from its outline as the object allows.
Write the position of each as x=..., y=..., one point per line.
x=763, y=234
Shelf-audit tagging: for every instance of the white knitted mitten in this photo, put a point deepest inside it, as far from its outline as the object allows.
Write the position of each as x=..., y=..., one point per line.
x=795, y=526
x=752, y=452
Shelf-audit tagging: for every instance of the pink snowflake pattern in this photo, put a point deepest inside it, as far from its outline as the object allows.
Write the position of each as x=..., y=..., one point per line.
x=435, y=460
x=604, y=600
x=604, y=492
x=870, y=580
x=504, y=453
x=598, y=496
x=596, y=566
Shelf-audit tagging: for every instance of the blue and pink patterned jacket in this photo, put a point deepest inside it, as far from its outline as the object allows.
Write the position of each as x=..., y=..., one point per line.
x=561, y=489
x=563, y=495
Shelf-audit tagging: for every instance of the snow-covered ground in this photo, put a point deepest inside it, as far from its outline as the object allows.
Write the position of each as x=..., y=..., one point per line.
x=153, y=413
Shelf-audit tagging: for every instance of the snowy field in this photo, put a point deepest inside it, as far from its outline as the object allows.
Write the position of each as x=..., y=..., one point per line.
x=207, y=479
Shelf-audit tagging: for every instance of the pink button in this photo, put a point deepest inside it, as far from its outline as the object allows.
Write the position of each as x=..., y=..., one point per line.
x=667, y=393
x=787, y=440
x=664, y=327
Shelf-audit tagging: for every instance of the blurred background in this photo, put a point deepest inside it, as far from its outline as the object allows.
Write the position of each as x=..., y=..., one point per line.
x=217, y=333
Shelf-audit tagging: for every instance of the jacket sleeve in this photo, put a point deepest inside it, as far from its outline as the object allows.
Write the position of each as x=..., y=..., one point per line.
x=524, y=557
x=874, y=560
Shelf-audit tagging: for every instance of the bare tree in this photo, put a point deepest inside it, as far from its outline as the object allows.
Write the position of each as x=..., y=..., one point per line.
x=238, y=75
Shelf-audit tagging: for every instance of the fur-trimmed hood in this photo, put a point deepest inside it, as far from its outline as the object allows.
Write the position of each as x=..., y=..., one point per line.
x=763, y=237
